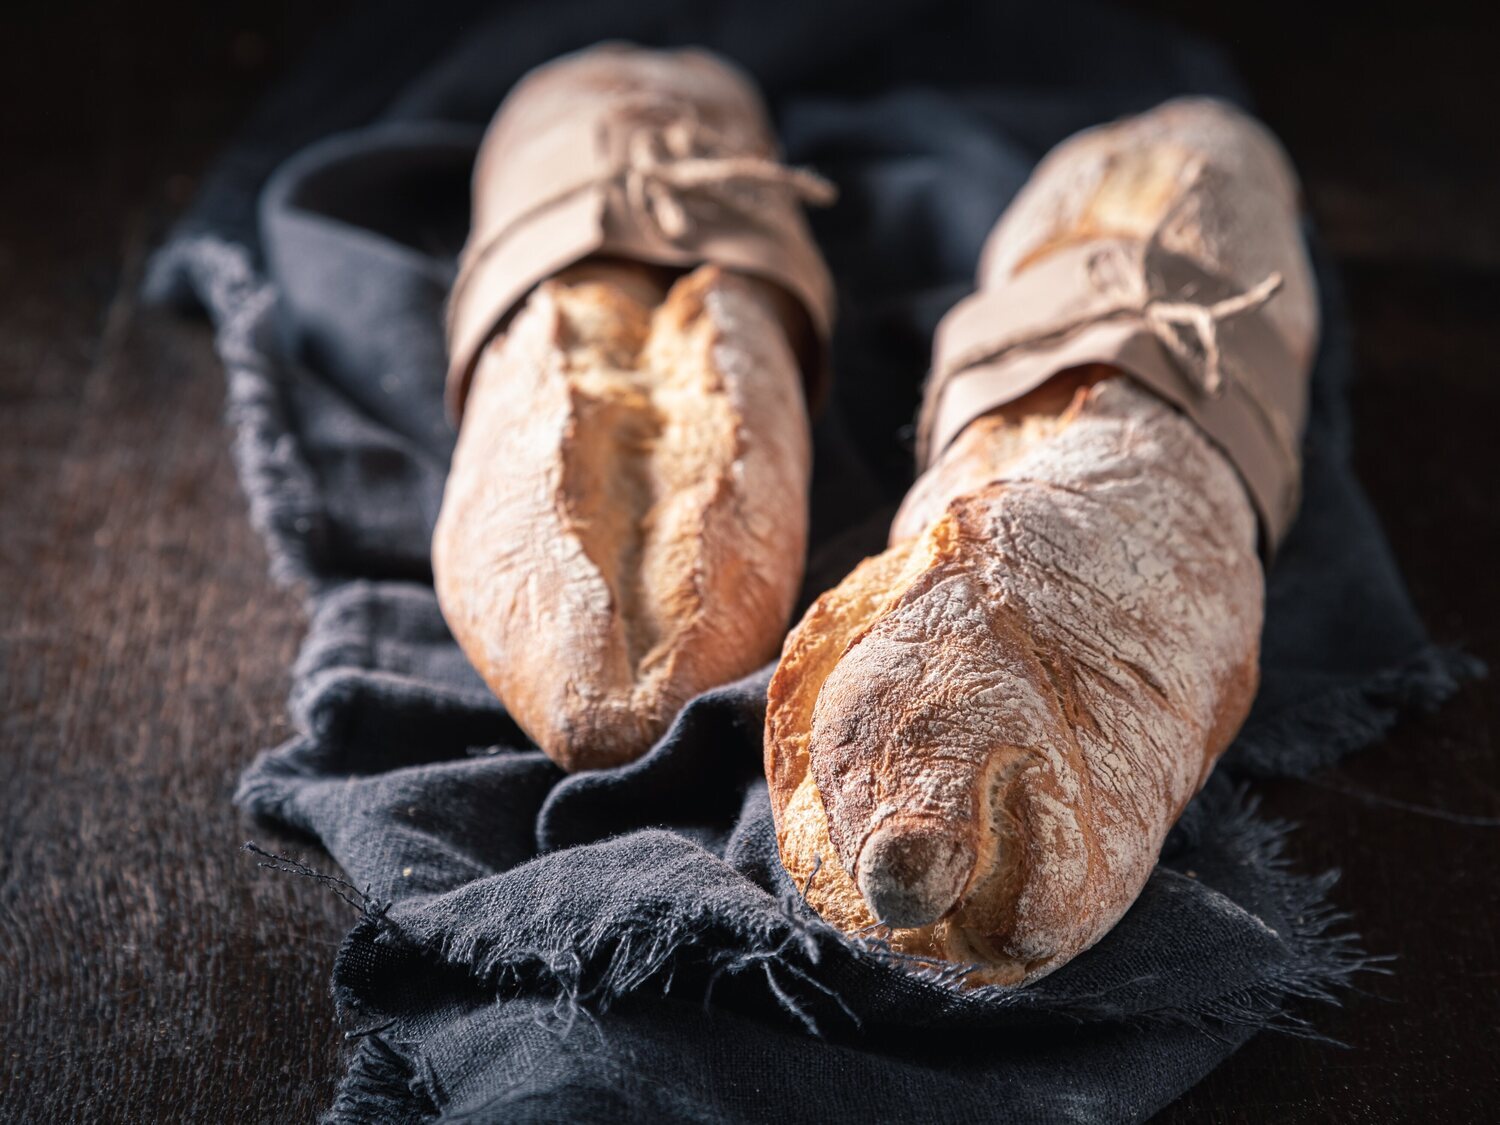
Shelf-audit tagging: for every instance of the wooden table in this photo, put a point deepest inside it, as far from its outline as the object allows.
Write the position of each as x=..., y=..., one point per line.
x=148, y=972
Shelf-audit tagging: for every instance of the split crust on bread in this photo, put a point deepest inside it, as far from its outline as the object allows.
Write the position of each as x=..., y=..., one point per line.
x=625, y=519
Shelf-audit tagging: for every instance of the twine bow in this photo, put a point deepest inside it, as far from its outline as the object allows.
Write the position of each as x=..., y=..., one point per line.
x=1170, y=319
x=1166, y=318
x=664, y=161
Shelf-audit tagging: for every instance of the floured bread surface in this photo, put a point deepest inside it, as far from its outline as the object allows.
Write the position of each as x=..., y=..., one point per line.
x=625, y=518
x=986, y=732
x=982, y=736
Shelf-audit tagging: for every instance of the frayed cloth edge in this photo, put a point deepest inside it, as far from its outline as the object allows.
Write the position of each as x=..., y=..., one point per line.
x=382, y=1084
x=1323, y=956
x=278, y=485
x=602, y=968
x=1314, y=733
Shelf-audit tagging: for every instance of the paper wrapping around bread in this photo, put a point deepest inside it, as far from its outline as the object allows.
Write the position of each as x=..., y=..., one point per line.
x=1208, y=308
x=636, y=334
x=980, y=738
x=663, y=157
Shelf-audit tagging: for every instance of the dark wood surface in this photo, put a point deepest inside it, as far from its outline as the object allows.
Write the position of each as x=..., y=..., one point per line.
x=149, y=972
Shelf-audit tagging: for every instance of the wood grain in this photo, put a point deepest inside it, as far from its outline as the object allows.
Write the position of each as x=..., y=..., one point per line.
x=149, y=972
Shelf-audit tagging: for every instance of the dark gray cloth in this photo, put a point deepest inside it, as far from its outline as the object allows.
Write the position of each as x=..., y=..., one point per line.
x=624, y=945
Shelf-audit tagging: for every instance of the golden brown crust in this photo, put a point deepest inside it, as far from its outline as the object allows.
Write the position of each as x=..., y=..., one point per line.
x=1032, y=688
x=982, y=735
x=625, y=517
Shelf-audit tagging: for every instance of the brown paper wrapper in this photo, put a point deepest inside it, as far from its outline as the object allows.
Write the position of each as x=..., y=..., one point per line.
x=664, y=157
x=1194, y=332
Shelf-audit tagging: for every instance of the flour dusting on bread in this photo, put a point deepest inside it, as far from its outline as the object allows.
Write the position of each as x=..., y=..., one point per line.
x=982, y=736
x=625, y=518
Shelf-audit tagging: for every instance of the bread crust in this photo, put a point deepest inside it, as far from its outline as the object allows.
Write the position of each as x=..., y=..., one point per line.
x=981, y=737
x=624, y=521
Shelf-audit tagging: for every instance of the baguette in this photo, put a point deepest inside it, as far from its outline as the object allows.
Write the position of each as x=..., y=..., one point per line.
x=981, y=737
x=625, y=518
x=639, y=323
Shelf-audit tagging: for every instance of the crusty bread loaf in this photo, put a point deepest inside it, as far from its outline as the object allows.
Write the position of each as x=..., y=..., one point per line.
x=626, y=513
x=982, y=735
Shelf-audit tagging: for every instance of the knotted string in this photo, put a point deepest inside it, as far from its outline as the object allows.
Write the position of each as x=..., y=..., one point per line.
x=1126, y=286
x=663, y=161
x=1168, y=318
